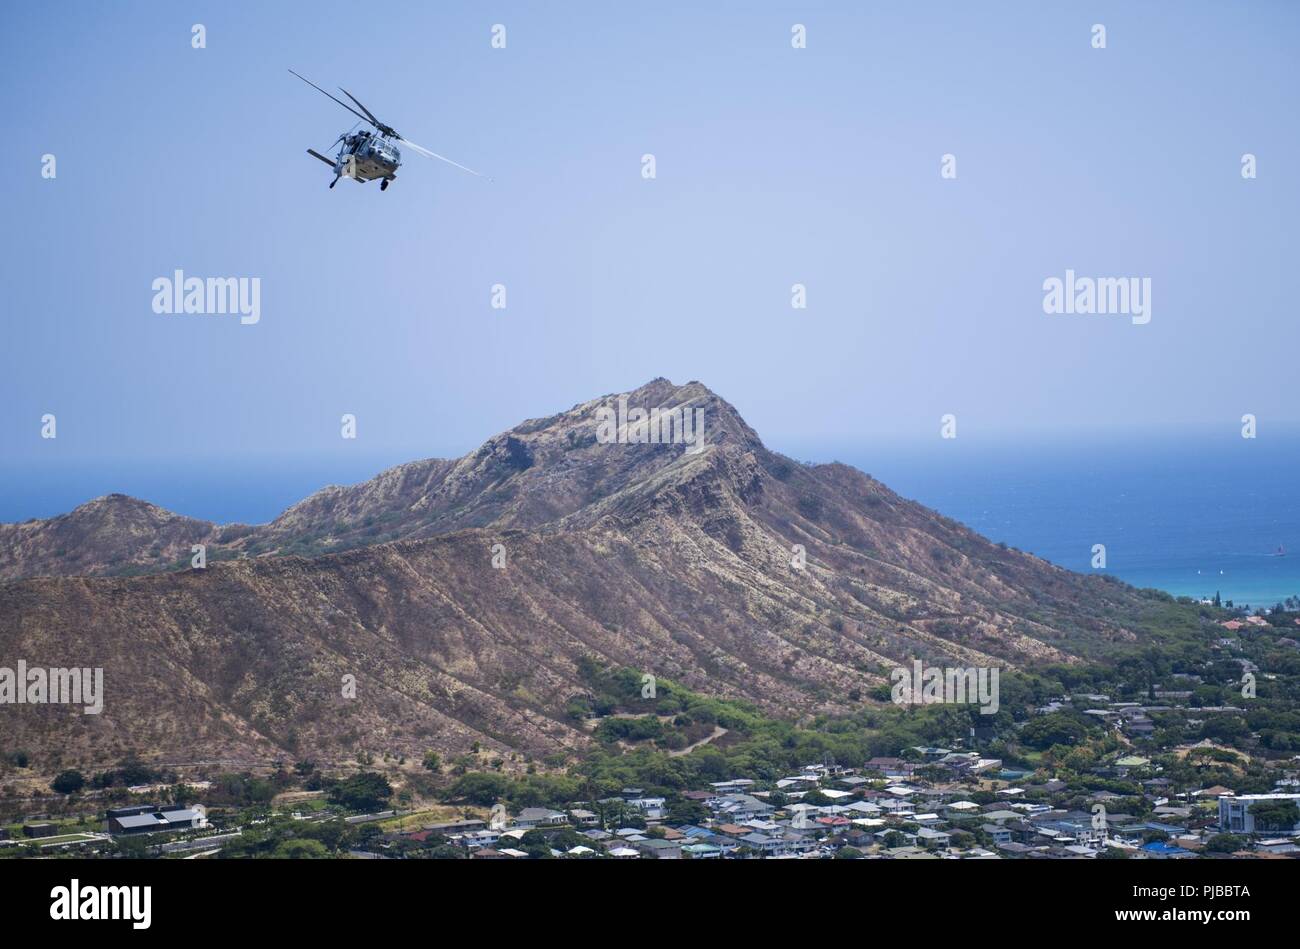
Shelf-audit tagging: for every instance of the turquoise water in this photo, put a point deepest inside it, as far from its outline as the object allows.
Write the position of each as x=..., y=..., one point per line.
x=1190, y=516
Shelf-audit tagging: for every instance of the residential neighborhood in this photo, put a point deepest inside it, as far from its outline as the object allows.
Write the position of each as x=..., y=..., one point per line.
x=943, y=804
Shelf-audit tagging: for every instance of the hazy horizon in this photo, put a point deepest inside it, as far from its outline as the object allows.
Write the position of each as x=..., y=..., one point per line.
x=1190, y=515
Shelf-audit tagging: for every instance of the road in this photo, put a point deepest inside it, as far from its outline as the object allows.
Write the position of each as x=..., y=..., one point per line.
x=718, y=732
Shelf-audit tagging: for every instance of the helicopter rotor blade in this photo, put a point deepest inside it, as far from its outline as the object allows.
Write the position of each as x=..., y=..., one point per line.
x=339, y=101
x=373, y=121
x=428, y=154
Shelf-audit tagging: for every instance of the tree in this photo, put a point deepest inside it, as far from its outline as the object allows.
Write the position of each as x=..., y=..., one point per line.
x=1056, y=728
x=1275, y=815
x=301, y=849
x=685, y=811
x=131, y=847
x=432, y=761
x=367, y=791
x=1224, y=843
x=483, y=790
x=68, y=782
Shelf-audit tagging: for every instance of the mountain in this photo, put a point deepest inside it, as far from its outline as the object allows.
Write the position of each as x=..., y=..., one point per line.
x=668, y=560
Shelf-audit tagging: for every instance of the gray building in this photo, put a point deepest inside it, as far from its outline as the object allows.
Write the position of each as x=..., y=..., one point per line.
x=168, y=817
x=1235, y=816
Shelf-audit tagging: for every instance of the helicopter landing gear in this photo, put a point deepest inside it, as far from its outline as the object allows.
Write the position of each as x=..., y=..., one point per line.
x=383, y=185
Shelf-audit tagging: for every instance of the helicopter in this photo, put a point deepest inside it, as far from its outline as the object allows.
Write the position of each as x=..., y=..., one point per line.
x=365, y=155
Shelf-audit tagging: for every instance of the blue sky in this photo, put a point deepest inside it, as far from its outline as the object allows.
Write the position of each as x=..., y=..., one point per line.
x=775, y=166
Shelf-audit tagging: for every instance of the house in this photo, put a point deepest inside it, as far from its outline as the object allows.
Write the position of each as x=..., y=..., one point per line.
x=1096, y=698
x=728, y=787
x=794, y=842
x=728, y=845
x=760, y=843
x=743, y=807
x=652, y=808
x=703, y=851
x=928, y=752
x=890, y=767
x=481, y=838
x=834, y=822
x=39, y=830
x=1139, y=727
x=930, y=837
x=1133, y=761
x=1017, y=849
x=1075, y=824
x=1278, y=845
x=910, y=853
x=1216, y=791
x=531, y=817
x=1000, y=815
x=999, y=833
x=658, y=849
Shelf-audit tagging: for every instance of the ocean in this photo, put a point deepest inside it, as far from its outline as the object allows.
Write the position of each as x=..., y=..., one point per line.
x=1191, y=515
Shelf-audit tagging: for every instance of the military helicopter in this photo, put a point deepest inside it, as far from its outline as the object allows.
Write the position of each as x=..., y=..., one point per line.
x=366, y=155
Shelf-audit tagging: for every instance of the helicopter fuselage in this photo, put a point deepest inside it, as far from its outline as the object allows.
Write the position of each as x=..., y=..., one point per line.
x=365, y=157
